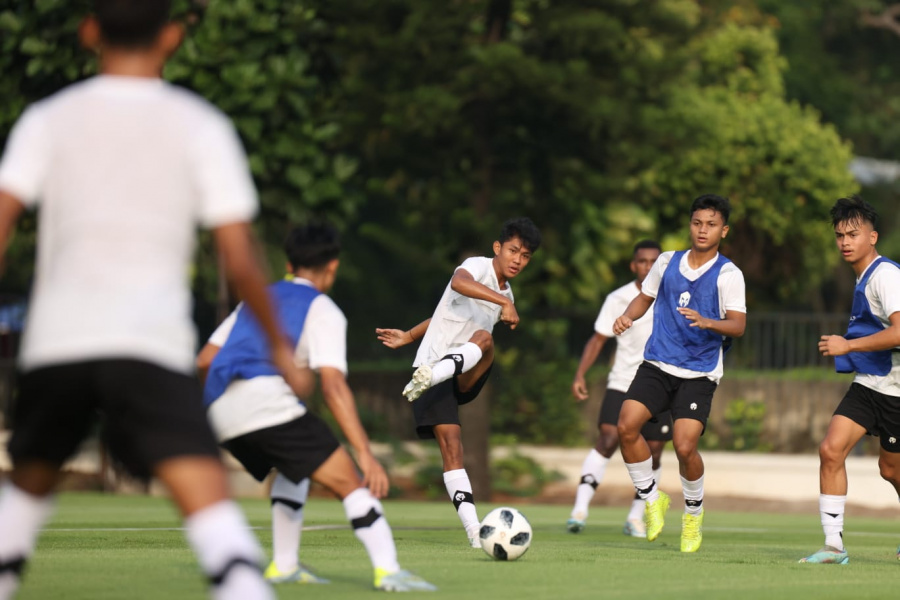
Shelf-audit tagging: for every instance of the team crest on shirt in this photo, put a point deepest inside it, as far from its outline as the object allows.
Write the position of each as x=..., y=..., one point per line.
x=684, y=299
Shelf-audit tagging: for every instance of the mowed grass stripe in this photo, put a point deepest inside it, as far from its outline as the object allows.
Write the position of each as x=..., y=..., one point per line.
x=115, y=547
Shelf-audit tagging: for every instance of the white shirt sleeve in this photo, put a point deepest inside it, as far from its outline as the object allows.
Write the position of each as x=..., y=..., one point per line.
x=883, y=290
x=609, y=312
x=220, y=335
x=224, y=184
x=23, y=168
x=325, y=333
x=732, y=292
x=650, y=285
x=476, y=266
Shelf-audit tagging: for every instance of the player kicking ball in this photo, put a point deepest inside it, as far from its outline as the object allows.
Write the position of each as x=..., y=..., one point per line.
x=869, y=349
x=699, y=304
x=457, y=351
x=259, y=419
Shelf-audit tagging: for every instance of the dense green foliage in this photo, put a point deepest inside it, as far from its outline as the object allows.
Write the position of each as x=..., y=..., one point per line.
x=114, y=546
x=420, y=126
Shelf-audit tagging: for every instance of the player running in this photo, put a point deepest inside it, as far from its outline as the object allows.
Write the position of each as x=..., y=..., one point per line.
x=699, y=307
x=871, y=349
x=457, y=351
x=265, y=425
x=629, y=355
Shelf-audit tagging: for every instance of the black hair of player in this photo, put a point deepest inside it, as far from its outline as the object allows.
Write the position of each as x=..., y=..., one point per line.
x=853, y=209
x=524, y=229
x=131, y=24
x=312, y=246
x=646, y=245
x=714, y=203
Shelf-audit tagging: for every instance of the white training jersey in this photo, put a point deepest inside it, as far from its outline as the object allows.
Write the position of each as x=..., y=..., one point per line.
x=630, y=345
x=731, y=297
x=266, y=401
x=457, y=317
x=883, y=294
x=123, y=170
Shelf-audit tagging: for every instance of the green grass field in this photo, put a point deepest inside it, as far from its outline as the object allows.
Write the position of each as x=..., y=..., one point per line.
x=131, y=547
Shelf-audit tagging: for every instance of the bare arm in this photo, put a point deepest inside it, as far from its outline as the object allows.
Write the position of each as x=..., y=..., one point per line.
x=10, y=210
x=397, y=338
x=588, y=356
x=463, y=283
x=237, y=246
x=204, y=360
x=836, y=345
x=637, y=308
x=342, y=405
x=732, y=325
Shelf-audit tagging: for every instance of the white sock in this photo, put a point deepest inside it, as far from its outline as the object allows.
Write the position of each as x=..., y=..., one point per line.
x=227, y=551
x=460, y=489
x=693, y=495
x=592, y=471
x=288, y=499
x=370, y=526
x=21, y=518
x=831, y=510
x=637, y=510
x=468, y=354
x=642, y=477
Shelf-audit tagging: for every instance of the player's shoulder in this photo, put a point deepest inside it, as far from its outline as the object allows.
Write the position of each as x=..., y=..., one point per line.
x=730, y=268
x=888, y=271
x=199, y=108
x=625, y=292
x=325, y=309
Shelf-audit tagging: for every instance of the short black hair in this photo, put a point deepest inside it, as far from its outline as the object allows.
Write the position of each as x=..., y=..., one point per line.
x=712, y=202
x=524, y=229
x=313, y=245
x=646, y=245
x=853, y=209
x=131, y=23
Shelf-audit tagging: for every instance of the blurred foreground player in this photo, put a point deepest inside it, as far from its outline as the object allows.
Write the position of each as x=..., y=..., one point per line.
x=123, y=167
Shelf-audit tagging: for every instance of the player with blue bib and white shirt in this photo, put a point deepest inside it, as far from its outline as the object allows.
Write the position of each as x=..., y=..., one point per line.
x=871, y=349
x=265, y=425
x=699, y=305
x=457, y=352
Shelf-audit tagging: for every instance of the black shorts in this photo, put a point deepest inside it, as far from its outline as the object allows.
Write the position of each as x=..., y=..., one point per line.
x=147, y=414
x=877, y=412
x=657, y=429
x=439, y=405
x=295, y=449
x=659, y=392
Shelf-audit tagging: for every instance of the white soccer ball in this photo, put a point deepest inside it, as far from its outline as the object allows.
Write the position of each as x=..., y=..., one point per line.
x=505, y=534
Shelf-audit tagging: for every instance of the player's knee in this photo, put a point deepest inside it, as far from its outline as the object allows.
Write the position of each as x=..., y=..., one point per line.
x=888, y=470
x=608, y=443
x=627, y=431
x=830, y=454
x=483, y=339
x=684, y=448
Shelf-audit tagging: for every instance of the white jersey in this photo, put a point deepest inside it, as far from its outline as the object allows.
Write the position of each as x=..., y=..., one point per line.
x=731, y=289
x=629, y=345
x=123, y=170
x=252, y=404
x=457, y=317
x=883, y=294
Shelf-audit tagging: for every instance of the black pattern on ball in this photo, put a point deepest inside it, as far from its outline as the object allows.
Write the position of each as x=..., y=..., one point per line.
x=499, y=552
x=486, y=531
x=507, y=517
x=520, y=539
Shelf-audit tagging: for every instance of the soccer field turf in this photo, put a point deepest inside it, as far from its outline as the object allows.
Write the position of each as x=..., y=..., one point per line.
x=132, y=547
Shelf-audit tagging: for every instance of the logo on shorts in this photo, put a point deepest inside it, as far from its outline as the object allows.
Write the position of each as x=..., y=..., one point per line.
x=892, y=440
x=665, y=429
x=693, y=406
x=684, y=299
x=460, y=497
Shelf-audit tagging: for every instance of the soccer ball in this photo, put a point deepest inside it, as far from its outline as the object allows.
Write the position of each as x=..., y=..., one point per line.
x=505, y=534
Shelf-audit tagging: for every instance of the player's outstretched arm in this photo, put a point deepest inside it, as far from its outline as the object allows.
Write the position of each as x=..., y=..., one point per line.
x=10, y=210
x=340, y=402
x=204, y=360
x=588, y=356
x=637, y=308
x=397, y=338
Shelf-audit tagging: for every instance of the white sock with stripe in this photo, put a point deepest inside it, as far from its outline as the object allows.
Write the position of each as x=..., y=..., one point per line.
x=460, y=489
x=468, y=354
x=592, y=471
x=370, y=527
x=693, y=495
x=21, y=518
x=642, y=476
x=831, y=511
x=288, y=499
